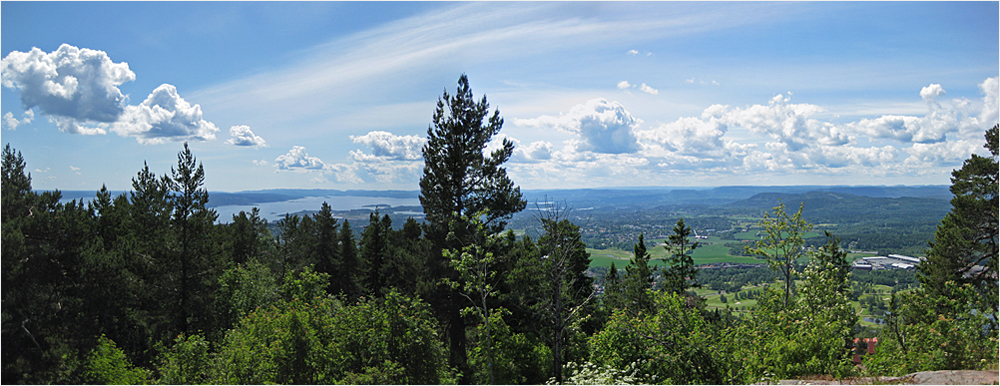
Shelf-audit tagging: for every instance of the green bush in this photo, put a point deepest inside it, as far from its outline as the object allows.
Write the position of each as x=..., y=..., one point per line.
x=107, y=364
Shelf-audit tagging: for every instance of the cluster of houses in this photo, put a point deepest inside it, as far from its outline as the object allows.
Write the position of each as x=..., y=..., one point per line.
x=887, y=262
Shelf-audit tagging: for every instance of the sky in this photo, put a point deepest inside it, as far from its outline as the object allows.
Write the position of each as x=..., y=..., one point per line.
x=340, y=95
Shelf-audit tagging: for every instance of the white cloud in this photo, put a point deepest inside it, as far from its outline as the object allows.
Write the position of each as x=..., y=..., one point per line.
x=298, y=159
x=259, y=162
x=924, y=155
x=74, y=87
x=623, y=85
x=632, y=52
x=788, y=123
x=648, y=89
x=691, y=136
x=989, y=116
x=12, y=123
x=605, y=127
x=163, y=116
x=390, y=146
x=931, y=128
x=243, y=136
x=74, y=169
x=932, y=92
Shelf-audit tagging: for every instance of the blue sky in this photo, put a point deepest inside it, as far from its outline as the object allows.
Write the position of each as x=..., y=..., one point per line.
x=339, y=95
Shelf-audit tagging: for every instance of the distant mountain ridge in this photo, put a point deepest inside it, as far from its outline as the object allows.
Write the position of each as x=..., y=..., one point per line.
x=580, y=198
x=834, y=206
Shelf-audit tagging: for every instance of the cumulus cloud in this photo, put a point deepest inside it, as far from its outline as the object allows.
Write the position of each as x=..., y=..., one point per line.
x=649, y=90
x=989, y=116
x=786, y=122
x=691, y=136
x=932, y=128
x=76, y=88
x=243, y=136
x=12, y=123
x=390, y=146
x=632, y=52
x=624, y=85
x=605, y=127
x=533, y=153
x=297, y=159
x=164, y=116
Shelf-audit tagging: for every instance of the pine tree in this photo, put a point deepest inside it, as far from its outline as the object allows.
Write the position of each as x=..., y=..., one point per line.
x=964, y=249
x=460, y=180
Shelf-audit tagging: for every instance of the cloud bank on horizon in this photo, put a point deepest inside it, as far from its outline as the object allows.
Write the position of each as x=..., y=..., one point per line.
x=616, y=136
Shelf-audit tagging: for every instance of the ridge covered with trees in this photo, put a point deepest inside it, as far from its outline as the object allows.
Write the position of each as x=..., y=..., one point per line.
x=147, y=287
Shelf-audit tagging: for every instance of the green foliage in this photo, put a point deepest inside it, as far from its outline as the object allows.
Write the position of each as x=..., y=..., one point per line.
x=505, y=357
x=824, y=298
x=680, y=273
x=965, y=246
x=565, y=291
x=673, y=345
x=307, y=286
x=612, y=298
x=638, y=280
x=782, y=342
x=459, y=177
x=782, y=243
x=244, y=288
x=392, y=340
x=107, y=364
x=187, y=362
x=375, y=253
x=918, y=338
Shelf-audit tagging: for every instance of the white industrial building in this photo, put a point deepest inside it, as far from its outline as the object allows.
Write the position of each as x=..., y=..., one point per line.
x=887, y=262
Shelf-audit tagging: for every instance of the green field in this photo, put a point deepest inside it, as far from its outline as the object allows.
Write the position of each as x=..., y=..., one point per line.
x=712, y=250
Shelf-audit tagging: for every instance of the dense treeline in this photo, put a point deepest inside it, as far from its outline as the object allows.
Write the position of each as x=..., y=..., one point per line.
x=147, y=287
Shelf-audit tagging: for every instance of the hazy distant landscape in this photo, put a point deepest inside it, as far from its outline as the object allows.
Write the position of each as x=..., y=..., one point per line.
x=888, y=219
x=652, y=192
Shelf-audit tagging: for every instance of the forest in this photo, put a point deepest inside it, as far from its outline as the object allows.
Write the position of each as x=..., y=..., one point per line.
x=148, y=287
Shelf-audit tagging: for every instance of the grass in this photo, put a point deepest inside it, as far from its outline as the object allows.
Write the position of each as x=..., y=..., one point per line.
x=711, y=250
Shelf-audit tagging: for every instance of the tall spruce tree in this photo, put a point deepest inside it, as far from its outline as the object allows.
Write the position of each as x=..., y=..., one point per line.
x=460, y=180
x=612, y=298
x=680, y=272
x=638, y=280
x=375, y=253
x=192, y=224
